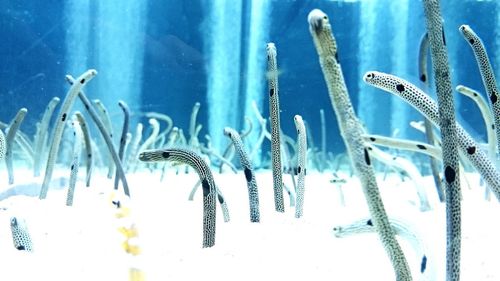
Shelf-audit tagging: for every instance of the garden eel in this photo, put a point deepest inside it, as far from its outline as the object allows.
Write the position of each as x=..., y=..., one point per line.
x=301, y=163
x=103, y=112
x=415, y=146
x=68, y=102
x=489, y=124
x=162, y=117
x=425, y=105
x=401, y=229
x=229, y=151
x=351, y=131
x=155, y=125
x=20, y=234
x=104, y=133
x=253, y=192
x=487, y=74
x=193, y=134
x=402, y=164
x=194, y=160
x=423, y=49
x=448, y=127
x=11, y=134
x=88, y=146
x=274, y=112
x=123, y=138
x=41, y=135
x=3, y=145
x=75, y=162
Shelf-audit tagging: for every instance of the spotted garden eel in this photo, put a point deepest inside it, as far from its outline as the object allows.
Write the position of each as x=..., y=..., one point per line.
x=88, y=146
x=425, y=105
x=415, y=146
x=20, y=234
x=75, y=162
x=401, y=229
x=423, y=74
x=351, y=131
x=253, y=192
x=41, y=135
x=11, y=134
x=301, y=163
x=274, y=112
x=448, y=128
x=62, y=117
x=104, y=133
x=194, y=160
x=123, y=137
x=487, y=74
x=103, y=113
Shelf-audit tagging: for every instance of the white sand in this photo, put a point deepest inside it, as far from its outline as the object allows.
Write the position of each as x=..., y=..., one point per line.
x=82, y=242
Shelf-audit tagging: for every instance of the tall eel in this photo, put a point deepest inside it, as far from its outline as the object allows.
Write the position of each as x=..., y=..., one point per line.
x=274, y=112
x=351, y=131
x=194, y=160
x=11, y=135
x=448, y=128
x=301, y=163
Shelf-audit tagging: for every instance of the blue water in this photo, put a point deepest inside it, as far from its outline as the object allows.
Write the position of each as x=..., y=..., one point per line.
x=166, y=55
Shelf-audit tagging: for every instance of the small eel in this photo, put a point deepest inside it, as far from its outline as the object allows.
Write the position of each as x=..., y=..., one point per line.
x=253, y=192
x=123, y=137
x=195, y=161
x=41, y=136
x=274, y=114
x=88, y=146
x=351, y=132
x=20, y=234
x=301, y=163
x=75, y=162
x=11, y=135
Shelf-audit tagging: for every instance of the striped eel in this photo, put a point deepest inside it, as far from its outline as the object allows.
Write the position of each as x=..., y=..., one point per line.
x=11, y=135
x=301, y=163
x=425, y=105
x=253, y=192
x=274, y=112
x=75, y=162
x=401, y=229
x=351, y=131
x=62, y=117
x=20, y=234
x=449, y=134
x=41, y=134
x=194, y=160
x=487, y=74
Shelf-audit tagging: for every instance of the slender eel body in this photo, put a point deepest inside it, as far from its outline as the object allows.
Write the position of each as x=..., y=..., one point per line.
x=253, y=192
x=11, y=135
x=487, y=74
x=431, y=150
x=41, y=136
x=429, y=133
x=75, y=162
x=401, y=229
x=123, y=138
x=423, y=103
x=447, y=126
x=351, y=131
x=301, y=163
x=20, y=234
x=88, y=146
x=62, y=117
x=103, y=112
x=104, y=133
x=274, y=114
x=194, y=160
x=3, y=145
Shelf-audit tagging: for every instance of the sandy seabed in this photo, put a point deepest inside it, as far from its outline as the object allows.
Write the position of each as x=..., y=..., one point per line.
x=82, y=242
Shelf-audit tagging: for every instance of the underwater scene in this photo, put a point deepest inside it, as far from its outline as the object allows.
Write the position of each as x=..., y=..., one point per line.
x=249, y=140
